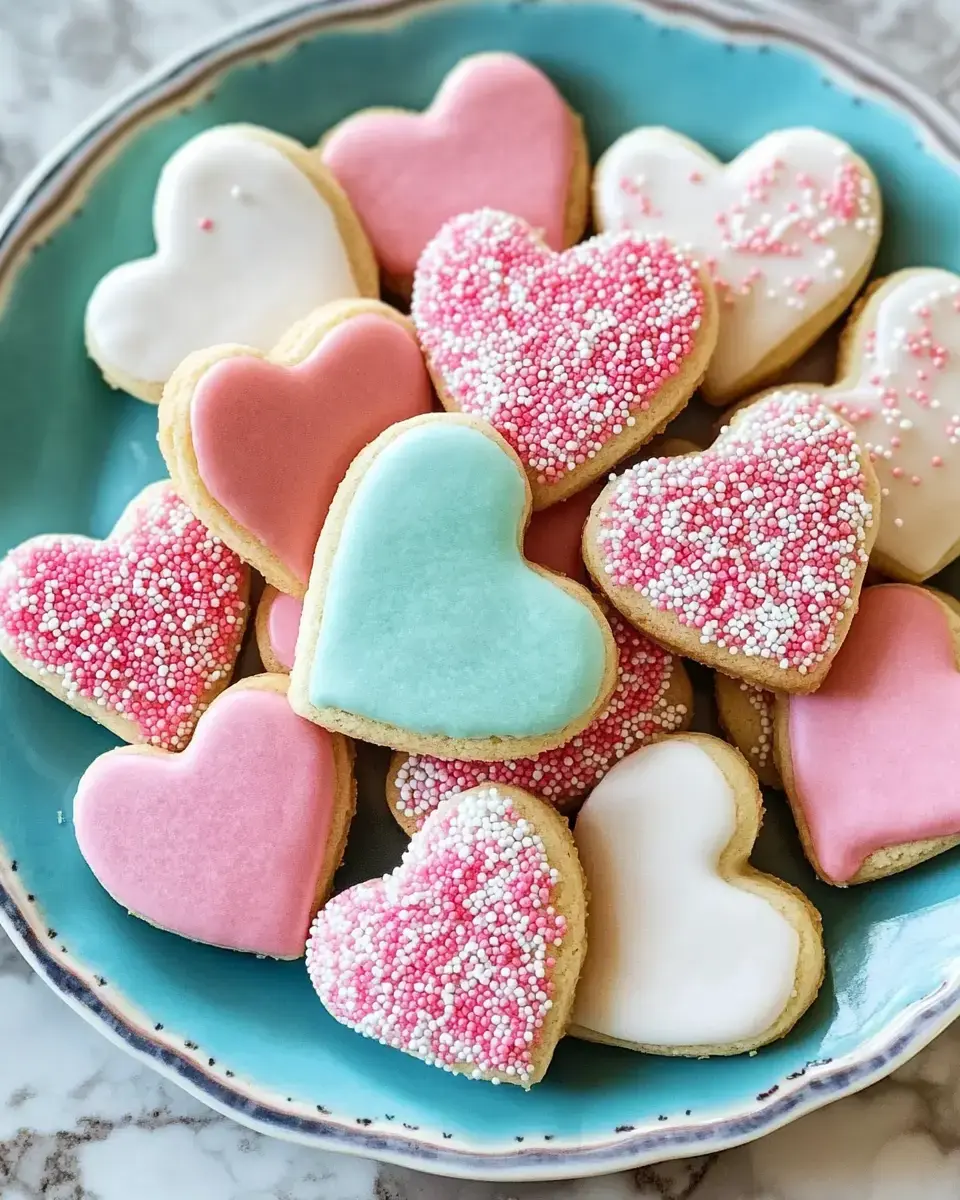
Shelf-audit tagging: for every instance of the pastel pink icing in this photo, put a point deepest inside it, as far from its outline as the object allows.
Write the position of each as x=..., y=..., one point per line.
x=272, y=443
x=876, y=749
x=498, y=134
x=283, y=625
x=225, y=842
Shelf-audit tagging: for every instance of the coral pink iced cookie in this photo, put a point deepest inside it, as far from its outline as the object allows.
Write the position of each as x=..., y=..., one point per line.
x=480, y=931
x=692, y=950
x=746, y=716
x=258, y=445
x=139, y=631
x=652, y=696
x=577, y=358
x=252, y=233
x=898, y=384
x=277, y=625
x=788, y=231
x=871, y=761
x=498, y=135
x=233, y=842
x=750, y=556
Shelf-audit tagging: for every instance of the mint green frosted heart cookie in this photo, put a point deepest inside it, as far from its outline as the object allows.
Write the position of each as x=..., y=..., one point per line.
x=424, y=627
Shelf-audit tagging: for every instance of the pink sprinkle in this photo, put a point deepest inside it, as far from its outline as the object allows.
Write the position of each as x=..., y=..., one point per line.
x=556, y=351
x=936, y=461
x=206, y=224
x=143, y=623
x=636, y=712
x=414, y=961
x=756, y=541
x=696, y=177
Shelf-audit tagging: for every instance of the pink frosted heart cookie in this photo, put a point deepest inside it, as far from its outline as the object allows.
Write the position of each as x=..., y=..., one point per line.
x=577, y=358
x=252, y=233
x=750, y=556
x=788, y=231
x=277, y=625
x=652, y=696
x=871, y=761
x=258, y=445
x=235, y=841
x=498, y=134
x=139, y=631
x=480, y=931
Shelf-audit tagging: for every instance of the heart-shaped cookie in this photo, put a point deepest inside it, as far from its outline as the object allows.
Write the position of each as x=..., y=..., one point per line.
x=871, y=761
x=577, y=358
x=277, y=626
x=139, y=631
x=257, y=446
x=424, y=627
x=252, y=233
x=750, y=556
x=467, y=956
x=498, y=134
x=692, y=950
x=235, y=841
x=898, y=384
x=653, y=696
x=788, y=231
x=745, y=713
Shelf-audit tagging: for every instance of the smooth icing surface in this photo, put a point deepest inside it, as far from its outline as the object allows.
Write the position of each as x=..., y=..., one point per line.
x=225, y=842
x=559, y=352
x=677, y=956
x=782, y=229
x=273, y=443
x=875, y=751
x=465, y=930
x=432, y=620
x=245, y=247
x=497, y=135
x=904, y=402
x=283, y=625
x=143, y=624
x=755, y=542
x=554, y=535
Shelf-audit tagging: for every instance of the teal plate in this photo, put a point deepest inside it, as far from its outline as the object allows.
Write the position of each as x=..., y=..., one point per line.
x=248, y=1036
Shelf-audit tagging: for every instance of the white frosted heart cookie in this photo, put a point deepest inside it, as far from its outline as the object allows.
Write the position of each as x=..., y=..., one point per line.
x=691, y=950
x=788, y=231
x=252, y=233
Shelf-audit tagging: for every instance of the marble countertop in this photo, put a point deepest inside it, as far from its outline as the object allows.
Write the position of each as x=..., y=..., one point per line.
x=79, y=1119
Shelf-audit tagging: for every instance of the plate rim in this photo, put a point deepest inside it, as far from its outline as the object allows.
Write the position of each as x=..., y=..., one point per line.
x=35, y=209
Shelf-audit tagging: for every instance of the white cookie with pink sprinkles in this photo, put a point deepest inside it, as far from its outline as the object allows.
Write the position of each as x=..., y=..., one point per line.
x=576, y=358
x=653, y=696
x=467, y=956
x=787, y=230
x=139, y=631
x=750, y=556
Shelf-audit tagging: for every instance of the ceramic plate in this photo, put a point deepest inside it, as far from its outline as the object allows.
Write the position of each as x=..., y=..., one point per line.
x=248, y=1036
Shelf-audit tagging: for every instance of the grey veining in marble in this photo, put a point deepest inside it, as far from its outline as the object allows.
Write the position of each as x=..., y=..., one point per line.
x=79, y=1119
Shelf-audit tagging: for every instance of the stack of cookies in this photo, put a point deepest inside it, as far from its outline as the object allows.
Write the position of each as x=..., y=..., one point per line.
x=471, y=534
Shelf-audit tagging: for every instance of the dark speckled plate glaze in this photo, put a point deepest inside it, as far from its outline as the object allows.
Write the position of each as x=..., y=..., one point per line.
x=248, y=1036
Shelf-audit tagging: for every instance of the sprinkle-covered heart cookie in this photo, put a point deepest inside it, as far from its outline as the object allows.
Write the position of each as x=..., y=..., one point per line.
x=252, y=233
x=652, y=696
x=692, y=950
x=871, y=761
x=235, y=841
x=258, y=445
x=750, y=556
x=424, y=628
x=577, y=358
x=787, y=230
x=898, y=384
x=498, y=134
x=139, y=631
x=467, y=956
x=745, y=713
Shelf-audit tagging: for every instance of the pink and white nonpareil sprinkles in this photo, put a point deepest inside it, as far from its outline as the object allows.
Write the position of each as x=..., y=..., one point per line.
x=638, y=710
x=142, y=624
x=557, y=351
x=449, y=958
x=756, y=541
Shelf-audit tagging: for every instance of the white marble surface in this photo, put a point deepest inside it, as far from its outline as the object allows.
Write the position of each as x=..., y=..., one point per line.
x=79, y=1120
